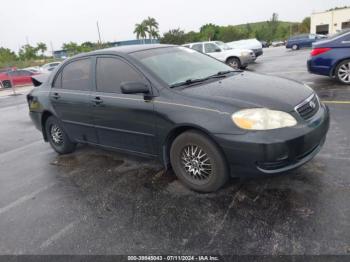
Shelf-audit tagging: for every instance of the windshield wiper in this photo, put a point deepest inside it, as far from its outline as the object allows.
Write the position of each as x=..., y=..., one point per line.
x=188, y=82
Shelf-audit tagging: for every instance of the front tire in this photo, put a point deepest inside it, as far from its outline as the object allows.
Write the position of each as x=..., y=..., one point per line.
x=198, y=162
x=57, y=137
x=342, y=72
x=295, y=47
x=234, y=62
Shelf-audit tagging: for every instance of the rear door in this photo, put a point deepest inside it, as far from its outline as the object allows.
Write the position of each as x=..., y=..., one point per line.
x=70, y=97
x=122, y=121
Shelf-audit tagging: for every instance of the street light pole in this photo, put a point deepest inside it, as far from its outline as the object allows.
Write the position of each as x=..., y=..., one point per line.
x=99, y=33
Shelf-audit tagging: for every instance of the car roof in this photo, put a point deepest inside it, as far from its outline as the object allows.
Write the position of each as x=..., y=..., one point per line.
x=127, y=49
x=203, y=42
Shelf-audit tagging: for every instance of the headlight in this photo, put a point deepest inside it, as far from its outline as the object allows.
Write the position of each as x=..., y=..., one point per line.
x=245, y=54
x=262, y=119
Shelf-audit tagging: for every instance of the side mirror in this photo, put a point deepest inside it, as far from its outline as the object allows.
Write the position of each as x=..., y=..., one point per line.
x=134, y=88
x=217, y=50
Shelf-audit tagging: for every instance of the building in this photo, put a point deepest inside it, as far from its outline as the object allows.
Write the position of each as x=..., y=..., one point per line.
x=330, y=22
x=136, y=42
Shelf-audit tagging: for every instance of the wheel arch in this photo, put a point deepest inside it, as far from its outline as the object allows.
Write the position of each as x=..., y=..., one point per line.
x=44, y=116
x=332, y=72
x=232, y=56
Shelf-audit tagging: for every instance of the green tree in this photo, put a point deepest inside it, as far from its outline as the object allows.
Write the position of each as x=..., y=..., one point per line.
x=305, y=25
x=152, y=27
x=141, y=30
x=28, y=52
x=229, y=34
x=272, y=26
x=6, y=55
x=209, y=32
x=41, y=47
x=192, y=36
x=88, y=46
x=72, y=48
x=174, y=36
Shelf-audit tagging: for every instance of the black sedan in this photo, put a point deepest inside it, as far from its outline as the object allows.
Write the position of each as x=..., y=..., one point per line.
x=193, y=113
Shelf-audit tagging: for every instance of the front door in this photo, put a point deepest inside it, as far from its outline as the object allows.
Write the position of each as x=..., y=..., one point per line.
x=122, y=121
x=70, y=97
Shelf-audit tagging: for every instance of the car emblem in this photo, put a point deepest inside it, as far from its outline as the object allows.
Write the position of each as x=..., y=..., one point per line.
x=312, y=105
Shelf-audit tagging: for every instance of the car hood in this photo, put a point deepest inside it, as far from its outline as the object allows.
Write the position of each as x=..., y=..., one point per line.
x=247, y=90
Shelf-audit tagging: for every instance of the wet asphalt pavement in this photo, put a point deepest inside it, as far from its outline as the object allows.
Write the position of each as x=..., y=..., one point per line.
x=99, y=202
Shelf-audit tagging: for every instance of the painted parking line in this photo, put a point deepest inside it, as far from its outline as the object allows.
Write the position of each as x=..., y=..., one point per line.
x=61, y=233
x=336, y=102
x=24, y=199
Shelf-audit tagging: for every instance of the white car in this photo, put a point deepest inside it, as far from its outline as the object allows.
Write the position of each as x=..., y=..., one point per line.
x=34, y=69
x=47, y=68
x=251, y=44
x=236, y=58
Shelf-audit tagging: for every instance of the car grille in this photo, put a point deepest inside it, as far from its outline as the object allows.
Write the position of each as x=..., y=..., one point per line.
x=6, y=84
x=308, y=108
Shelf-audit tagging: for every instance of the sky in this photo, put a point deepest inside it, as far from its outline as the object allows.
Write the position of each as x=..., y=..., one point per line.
x=60, y=21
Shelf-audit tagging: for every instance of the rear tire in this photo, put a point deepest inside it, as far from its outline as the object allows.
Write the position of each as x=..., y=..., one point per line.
x=342, y=72
x=57, y=137
x=234, y=62
x=198, y=162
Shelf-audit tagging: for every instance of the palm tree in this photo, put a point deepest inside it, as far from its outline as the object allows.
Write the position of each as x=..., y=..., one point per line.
x=154, y=34
x=152, y=26
x=141, y=30
x=41, y=47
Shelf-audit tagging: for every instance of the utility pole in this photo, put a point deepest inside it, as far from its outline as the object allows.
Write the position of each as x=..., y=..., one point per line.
x=27, y=40
x=99, y=33
x=51, y=48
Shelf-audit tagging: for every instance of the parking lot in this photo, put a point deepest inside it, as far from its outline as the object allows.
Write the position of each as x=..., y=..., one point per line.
x=99, y=202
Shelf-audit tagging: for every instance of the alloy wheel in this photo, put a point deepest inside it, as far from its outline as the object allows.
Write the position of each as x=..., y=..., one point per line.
x=196, y=162
x=344, y=73
x=234, y=64
x=56, y=134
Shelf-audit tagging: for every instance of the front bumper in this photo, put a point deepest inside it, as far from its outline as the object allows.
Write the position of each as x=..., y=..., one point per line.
x=245, y=60
x=258, y=52
x=275, y=151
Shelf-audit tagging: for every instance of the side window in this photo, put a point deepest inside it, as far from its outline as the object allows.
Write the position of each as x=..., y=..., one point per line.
x=198, y=47
x=58, y=81
x=111, y=72
x=13, y=73
x=210, y=48
x=77, y=75
x=312, y=36
x=26, y=73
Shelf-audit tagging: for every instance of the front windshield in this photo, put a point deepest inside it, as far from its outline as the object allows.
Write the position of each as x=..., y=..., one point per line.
x=222, y=45
x=178, y=64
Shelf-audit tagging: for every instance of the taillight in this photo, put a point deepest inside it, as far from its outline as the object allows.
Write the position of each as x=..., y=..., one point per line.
x=318, y=51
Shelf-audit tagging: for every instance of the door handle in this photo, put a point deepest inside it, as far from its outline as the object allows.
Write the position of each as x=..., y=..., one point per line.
x=56, y=96
x=97, y=100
